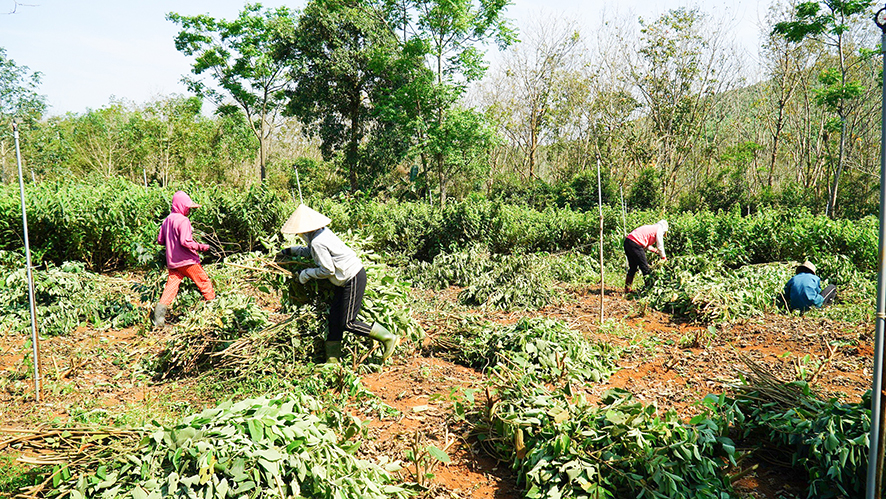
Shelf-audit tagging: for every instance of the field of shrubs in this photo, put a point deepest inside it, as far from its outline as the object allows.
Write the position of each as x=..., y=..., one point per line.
x=235, y=403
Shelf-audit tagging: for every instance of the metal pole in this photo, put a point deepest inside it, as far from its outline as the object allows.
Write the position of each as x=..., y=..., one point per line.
x=33, y=308
x=875, y=451
x=145, y=176
x=600, y=205
x=298, y=182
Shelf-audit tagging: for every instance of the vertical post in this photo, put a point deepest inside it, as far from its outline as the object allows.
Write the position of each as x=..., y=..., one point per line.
x=874, y=484
x=600, y=205
x=33, y=177
x=33, y=308
x=145, y=177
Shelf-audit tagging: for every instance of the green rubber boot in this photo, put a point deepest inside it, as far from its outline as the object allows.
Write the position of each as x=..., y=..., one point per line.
x=333, y=352
x=388, y=339
x=160, y=315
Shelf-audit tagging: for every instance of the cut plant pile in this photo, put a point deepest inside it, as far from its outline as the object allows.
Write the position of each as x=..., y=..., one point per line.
x=290, y=445
x=664, y=365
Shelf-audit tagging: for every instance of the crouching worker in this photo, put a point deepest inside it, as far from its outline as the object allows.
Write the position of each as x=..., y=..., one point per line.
x=182, y=259
x=338, y=263
x=803, y=291
x=641, y=239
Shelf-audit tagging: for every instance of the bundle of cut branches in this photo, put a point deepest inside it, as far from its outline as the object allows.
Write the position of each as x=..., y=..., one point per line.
x=69, y=451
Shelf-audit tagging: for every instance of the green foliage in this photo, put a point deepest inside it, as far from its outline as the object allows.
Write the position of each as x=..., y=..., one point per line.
x=496, y=281
x=646, y=192
x=826, y=439
x=113, y=223
x=543, y=348
x=562, y=446
x=549, y=351
x=242, y=56
x=347, y=69
x=66, y=297
x=705, y=290
x=289, y=444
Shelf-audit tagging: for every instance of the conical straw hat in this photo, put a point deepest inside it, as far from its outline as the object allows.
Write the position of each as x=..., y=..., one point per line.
x=303, y=220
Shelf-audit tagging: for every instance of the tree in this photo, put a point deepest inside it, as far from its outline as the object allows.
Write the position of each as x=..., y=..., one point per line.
x=535, y=78
x=347, y=66
x=449, y=34
x=829, y=22
x=242, y=56
x=681, y=74
x=18, y=99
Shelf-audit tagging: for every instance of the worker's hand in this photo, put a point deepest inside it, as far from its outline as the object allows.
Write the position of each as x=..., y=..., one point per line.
x=664, y=258
x=303, y=276
x=204, y=247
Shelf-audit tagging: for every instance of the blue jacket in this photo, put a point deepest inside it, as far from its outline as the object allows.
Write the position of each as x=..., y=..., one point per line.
x=804, y=291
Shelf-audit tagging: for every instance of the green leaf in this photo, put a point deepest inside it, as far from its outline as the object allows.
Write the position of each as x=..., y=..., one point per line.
x=438, y=454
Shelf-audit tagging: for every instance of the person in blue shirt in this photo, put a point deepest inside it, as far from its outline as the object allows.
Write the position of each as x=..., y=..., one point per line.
x=803, y=291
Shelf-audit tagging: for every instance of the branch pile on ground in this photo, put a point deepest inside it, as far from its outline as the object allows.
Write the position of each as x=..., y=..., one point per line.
x=826, y=439
x=66, y=297
x=208, y=328
x=286, y=446
x=68, y=451
x=704, y=289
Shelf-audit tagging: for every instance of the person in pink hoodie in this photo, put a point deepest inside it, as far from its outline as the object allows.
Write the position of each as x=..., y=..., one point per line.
x=647, y=237
x=181, y=255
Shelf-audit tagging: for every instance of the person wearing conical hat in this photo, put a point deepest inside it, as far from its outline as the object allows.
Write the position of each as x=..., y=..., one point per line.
x=643, y=238
x=340, y=265
x=804, y=291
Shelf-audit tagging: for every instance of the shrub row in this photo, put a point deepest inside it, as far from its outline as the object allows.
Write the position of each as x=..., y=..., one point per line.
x=113, y=223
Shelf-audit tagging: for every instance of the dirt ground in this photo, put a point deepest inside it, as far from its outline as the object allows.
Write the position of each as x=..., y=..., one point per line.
x=668, y=364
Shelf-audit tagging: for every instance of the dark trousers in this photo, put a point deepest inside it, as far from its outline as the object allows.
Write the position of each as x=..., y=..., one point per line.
x=346, y=303
x=636, y=258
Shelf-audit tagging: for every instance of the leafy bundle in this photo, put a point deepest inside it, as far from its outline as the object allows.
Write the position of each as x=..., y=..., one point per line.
x=564, y=447
x=66, y=297
x=209, y=328
x=285, y=446
x=504, y=282
x=705, y=290
x=829, y=440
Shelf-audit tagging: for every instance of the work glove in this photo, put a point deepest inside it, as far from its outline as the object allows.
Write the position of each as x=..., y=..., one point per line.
x=303, y=276
x=284, y=253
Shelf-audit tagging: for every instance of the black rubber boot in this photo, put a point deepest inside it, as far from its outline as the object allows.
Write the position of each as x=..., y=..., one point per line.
x=388, y=339
x=160, y=315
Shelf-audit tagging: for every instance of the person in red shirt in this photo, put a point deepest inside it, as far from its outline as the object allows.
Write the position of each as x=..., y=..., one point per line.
x=641, y=239
x=182, y=259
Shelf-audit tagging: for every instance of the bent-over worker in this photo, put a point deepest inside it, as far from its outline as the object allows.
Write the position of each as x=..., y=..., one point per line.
x=340, y=265
x=643, y=238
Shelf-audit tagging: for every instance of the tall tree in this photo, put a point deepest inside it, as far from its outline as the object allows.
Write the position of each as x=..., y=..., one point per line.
x=450, y=33
x=18, y=100
x=681, y=73
x=537, y=76
x=346, y=66
x=830, y=23
x=242, y=56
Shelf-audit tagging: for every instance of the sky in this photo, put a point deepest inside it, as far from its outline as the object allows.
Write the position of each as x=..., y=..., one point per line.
x=90, y=51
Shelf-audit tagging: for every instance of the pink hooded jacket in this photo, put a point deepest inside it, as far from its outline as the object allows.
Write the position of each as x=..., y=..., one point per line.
x=176, y=234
